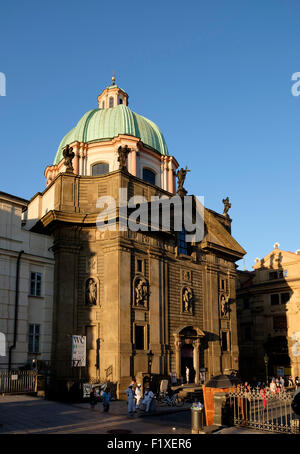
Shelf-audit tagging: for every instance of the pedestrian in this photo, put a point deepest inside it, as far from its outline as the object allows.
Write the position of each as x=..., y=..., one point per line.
x=263, y=394
x=131, y=404
x=281, y=380
x=297, y=382
x=93, y=398
x=148, y=396
x=138, y=395
x=187, y=374
x=278, y=385
x=106, y=396
x=273, y=386
x=247, y=386
x=291, y=383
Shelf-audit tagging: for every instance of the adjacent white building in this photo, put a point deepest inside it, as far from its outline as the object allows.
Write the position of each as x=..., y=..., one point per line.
x=26, y=288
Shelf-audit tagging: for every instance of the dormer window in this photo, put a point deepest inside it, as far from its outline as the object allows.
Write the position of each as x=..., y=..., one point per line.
x=111, y=101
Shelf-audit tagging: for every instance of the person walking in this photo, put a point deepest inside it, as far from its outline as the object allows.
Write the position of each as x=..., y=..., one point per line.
x=131, y=404
x=93, y=398
x=138, y=395
x=281, y=380
x=290, y=383
x=106, y=396
x=297, y=382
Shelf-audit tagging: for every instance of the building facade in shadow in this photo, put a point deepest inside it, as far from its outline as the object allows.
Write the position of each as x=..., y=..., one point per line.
x=268, y=313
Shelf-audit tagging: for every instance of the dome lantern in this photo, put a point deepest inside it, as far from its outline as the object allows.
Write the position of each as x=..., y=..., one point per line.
x=112, y=96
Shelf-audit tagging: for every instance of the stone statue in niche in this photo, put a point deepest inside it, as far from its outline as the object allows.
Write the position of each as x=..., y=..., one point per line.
x=224, y=306
x=141, y=292
x=90, y=292
x=187, y=296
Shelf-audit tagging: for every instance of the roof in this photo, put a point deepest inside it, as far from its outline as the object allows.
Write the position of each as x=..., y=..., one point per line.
x=13, y=199
x=105, y=124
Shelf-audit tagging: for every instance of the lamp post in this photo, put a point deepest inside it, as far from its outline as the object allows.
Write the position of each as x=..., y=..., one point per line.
x=150, y=357
x=266, y=359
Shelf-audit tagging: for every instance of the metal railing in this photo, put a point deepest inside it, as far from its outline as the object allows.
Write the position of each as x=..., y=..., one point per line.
x=264, y=410
x=18, y=381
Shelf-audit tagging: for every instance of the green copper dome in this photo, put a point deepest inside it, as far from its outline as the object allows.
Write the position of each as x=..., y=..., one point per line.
x=104, y=124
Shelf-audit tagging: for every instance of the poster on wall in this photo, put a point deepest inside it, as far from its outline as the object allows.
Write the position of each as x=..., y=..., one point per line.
x=78, y=351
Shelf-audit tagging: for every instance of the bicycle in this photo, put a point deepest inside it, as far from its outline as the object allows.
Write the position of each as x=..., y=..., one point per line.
x=172, y=401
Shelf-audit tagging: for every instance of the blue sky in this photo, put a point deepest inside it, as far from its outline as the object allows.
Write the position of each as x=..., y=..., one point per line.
x=214, y=75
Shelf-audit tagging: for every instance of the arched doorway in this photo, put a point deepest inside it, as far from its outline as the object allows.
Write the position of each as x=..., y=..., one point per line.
x=187, y=361
x=187, y=353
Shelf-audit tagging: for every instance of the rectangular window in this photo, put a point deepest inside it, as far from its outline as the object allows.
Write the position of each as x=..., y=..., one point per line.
x=279, y=322
x=224, y=341
x=182, y=244
x=285, y=297
x=35, y=284
x=34, y=339
x=139, y=266
x=274, y=299
x=139, y=337
x=273, y=275
x=246, y=301
x=247, y=332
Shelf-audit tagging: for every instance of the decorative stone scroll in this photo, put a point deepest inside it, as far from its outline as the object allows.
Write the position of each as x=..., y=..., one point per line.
x=90, y=292
x=187, y=300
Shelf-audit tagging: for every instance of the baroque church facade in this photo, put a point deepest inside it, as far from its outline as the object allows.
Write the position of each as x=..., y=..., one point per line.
x=132, y=293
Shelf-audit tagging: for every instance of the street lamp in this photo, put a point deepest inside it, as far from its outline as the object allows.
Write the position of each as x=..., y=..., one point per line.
x=150, y=357
x=266, y=359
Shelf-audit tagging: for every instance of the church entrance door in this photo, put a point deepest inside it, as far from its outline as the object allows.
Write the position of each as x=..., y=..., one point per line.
x=187, y=362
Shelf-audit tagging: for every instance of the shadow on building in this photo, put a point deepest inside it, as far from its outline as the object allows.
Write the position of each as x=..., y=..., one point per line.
x=263, y=299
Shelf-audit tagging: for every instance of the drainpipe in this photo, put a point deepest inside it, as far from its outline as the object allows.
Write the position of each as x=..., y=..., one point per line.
x=16, y=310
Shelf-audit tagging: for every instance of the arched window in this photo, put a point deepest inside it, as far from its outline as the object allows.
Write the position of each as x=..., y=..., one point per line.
x=149, y=176
x=120, y=101
x=103, y=105
x=100, y=169
x=111, y=102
